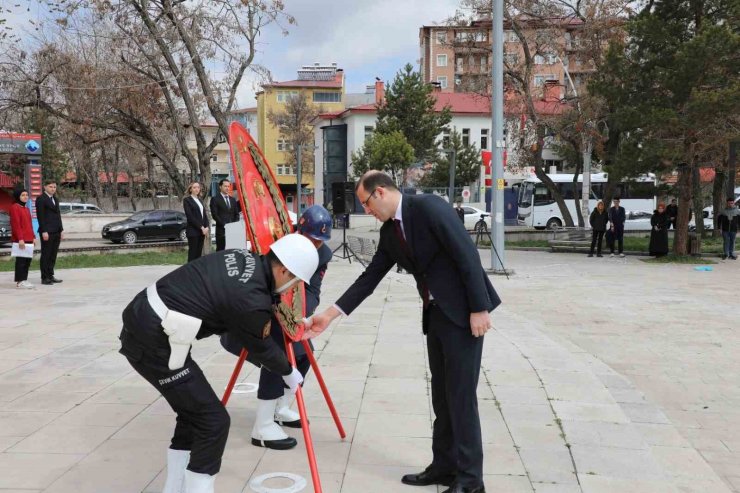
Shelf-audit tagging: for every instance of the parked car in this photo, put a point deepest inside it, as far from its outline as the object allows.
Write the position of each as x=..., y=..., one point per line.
x=69, y=207
x=4, y=227
x=147, y=225
x=708, y=212
x=473, y=215
x=84, y=212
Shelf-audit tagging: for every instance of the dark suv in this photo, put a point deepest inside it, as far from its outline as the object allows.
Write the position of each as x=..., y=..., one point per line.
x=4, y=227
x=147, y=225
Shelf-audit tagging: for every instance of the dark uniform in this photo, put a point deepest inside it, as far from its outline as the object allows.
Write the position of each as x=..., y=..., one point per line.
x=271, y=385
x=231, y=292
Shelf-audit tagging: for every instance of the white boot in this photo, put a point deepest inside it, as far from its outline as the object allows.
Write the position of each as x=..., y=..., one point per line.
x=199, y=483
x=177, y=461
x=266, y=433
x=284, y=415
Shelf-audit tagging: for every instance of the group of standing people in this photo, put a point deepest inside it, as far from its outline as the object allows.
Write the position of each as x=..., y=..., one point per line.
x=609, y=224
x=51, y=233
x=224, y=210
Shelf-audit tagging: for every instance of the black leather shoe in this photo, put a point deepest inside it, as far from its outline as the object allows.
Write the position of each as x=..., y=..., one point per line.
x=55, y=280
x=285, y=444
x=47, y=281
x=427, y=477
x=289, y=424
x=462, y=489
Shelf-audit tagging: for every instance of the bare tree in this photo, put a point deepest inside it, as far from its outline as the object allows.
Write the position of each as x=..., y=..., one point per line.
x=296, y=126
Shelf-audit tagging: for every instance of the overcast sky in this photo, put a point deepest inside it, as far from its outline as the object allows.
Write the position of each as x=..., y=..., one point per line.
x=366, y=38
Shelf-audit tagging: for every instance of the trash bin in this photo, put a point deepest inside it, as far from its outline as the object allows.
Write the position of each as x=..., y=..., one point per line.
x=692, y=244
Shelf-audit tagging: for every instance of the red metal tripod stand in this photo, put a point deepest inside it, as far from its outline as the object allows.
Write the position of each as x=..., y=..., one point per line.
x=299, y=399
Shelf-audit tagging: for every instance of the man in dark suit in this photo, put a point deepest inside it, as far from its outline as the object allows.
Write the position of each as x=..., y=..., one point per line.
x=424, y=235
x=50, y=229
x=224, y=210
x=617, y=217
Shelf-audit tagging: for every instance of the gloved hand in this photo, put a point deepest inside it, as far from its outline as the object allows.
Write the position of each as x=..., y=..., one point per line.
x=293, y=380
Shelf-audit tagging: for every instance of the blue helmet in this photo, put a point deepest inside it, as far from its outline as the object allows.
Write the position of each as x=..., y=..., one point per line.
x=316, y=223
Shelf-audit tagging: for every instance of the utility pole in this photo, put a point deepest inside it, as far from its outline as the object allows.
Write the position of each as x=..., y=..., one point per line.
x=497, y=154
x=587, y=147
x=298, y=179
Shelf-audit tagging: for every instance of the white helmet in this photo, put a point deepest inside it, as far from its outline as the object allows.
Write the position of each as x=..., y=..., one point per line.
x=298, y=255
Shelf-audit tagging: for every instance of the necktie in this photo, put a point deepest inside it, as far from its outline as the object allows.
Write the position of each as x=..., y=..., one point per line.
x=228, y=202
x=407, y=250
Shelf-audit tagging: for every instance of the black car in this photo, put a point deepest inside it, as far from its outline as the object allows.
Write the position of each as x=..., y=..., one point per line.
x=4, y=227
x=147, y=225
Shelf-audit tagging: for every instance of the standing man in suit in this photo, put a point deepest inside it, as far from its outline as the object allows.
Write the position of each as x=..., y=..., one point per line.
x=617, y=217
x=424, y=235
x=197, y=221
x=224, y=210
x=50, y=229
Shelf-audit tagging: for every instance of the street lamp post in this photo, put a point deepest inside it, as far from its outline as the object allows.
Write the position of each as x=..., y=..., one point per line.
x=497, y=154
x=298, y=179
x=452, y=152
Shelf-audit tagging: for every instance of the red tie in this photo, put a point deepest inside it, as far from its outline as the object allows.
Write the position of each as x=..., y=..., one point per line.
x=407, y=250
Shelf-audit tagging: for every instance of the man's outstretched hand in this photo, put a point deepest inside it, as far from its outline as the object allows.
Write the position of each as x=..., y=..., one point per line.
x=318, y=322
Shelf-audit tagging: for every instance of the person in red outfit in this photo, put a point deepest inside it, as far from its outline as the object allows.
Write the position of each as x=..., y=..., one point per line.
x=22, y=233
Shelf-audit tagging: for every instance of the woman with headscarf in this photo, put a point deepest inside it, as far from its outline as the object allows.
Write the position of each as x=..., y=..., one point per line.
x=660, y=223
x=22, y=233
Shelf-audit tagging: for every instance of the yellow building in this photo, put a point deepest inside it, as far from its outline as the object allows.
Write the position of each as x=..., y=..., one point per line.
x=324, y=86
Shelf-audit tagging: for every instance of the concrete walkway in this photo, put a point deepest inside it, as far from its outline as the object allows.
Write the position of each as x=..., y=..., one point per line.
x=606, y=376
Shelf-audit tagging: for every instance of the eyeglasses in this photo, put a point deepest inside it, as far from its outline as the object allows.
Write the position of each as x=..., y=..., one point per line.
x=364, y=203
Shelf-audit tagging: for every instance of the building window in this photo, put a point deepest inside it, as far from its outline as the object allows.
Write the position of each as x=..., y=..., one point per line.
x=539, y=60
x=510, y=37
x=327, y=97
x=466, y=136
x=441, y=37
x=546, y=59
x=539, y=80
x=511, y=58
x=369, y=129
x=284, y=145
x=481, y=37
x=442, y=81
x=441, y=60
x=221, y=137
x=285, y=170
x=446, y=138
x=214, y=157
x=284, y=96
x=484, y=138
x=484, y=64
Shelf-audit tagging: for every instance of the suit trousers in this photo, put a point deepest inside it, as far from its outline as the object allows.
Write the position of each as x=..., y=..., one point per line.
x=49, y=249
x=22, y=265
x=202, y=423
x=220, y=239
x=195, y=247
x=272, y=385
x=454, y=362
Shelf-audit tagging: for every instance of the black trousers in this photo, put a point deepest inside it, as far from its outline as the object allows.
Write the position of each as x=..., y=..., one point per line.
x=202, y=425
x=597, y=237
x=22, y=264
x=619, y=239
x=454, y=362
x=220, y=239
x=272, y=385
x=195, y=247
x=49, y=249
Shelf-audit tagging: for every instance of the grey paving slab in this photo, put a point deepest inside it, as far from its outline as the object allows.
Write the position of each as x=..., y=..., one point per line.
x=574, y=396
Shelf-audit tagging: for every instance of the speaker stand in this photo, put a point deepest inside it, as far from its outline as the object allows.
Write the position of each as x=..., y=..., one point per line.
x=347, y=252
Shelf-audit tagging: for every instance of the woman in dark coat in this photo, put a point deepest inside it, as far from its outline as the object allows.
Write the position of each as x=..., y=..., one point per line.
x=659, y=233
x=197, y=225
x=598, y=220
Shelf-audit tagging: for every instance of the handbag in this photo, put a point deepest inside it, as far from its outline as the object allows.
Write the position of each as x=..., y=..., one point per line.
x=17, y=251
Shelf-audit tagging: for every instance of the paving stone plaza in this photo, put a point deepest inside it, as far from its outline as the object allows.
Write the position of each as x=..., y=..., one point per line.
x=602, y=375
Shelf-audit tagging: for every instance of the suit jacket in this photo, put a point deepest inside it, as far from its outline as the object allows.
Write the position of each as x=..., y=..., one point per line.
x=223, y=214
x=443, y=257
x=196, y=220
x=47, y=212
x=617, y=216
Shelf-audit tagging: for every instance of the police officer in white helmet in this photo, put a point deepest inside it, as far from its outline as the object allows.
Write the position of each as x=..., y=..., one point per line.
x=231, y=291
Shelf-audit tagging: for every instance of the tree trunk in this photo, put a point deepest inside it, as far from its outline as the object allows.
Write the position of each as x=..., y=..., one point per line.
x=683, y=186
x=131, y=194
x=576, y=195
x=719, y=190
x=150, y=177
x=697, y=203
x=539, y=172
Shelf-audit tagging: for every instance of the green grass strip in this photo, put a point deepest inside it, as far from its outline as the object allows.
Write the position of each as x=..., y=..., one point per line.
x=108, y=260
